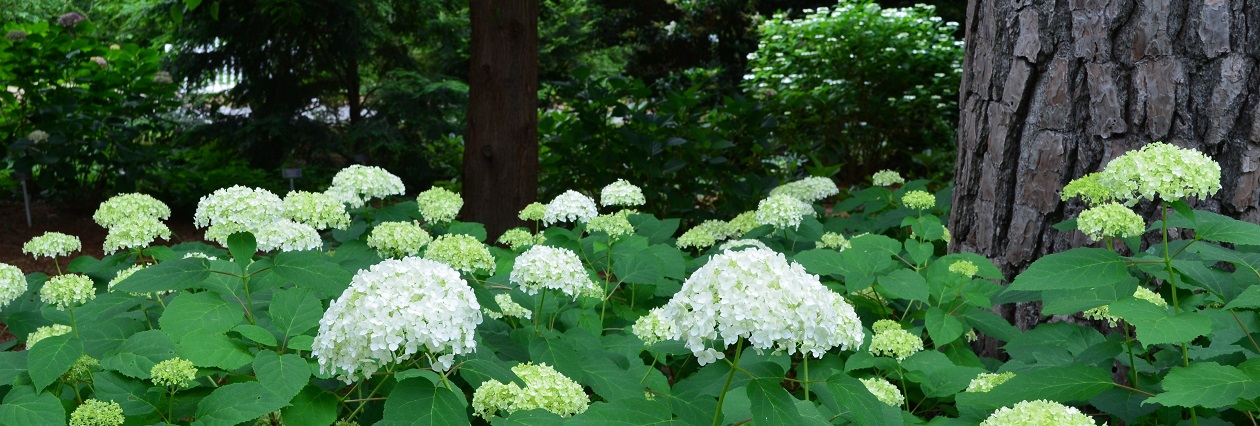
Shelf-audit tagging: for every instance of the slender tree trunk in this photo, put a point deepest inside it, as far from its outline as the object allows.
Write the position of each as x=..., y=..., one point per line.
x=501, y=146
x=1053, y=90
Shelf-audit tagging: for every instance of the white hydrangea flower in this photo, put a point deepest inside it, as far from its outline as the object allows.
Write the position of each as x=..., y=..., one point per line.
x=44, y=333
x=175, y=372
x=545, y=388
x=439, y=205
x=884, y=390
x=237, y=209
x=705, y=235
x=66, y=291
x=755, y=294
x=516, y=238
x=782, y=211
x=1038, y=413
x=654, y=327
x=319, y=210
x=543, y=267
x=621, y=193
x=52, y=244
x=12, y=284
x=570, y=206
x=509, y=307
x=615, y=225
x=832, y=240
x=398, y=239
x=533, y=211
x=126, y=207
x=134, y=232
x=462, y=252
x=1110, y=220
x=359, y=184
x=738, y=244
x=393, y=310
x=1161, y=170
x=346, y=196
x=887, y=178
x=892, y=341
x=287, y=235
x=985, y=382
x=1102, y=313
x=810, y=189
x=122, y=275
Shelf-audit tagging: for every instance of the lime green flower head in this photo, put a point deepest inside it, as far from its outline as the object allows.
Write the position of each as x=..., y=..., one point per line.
x=965, y=268
x=705, y=235
x=1090, y=189
x=439, y=205
x=509, y=308
x=1110, y=220
x=65, y=291
x=545, y=388
x=174, y=372
x=1038, y=413
x=134, y=232
x=533, y=212
x=462, y=252
x=398, y=239
x=126, y=207
x=319, y=210
x=52, y=244
x=887, y=178
x=894, y=342
x=782, y=211
x=45, y=332
x=621, y=193
x=1161, y=170
x=985, y=382
x=809, y=190
x=358, y=184
x=743, y=222
x=12, y=284
x=884, y=390
x=615, y=225
x=832, y=240
x=97, y=413
x=516, y=238
x=655, y=327
x=1103, y=313
x=918, y=200
x=287, y=235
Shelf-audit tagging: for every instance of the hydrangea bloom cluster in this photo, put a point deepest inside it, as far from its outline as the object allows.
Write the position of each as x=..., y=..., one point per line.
x=985, y=382
x=832, y=240
x=393, y=310
x=545, y=388
x=12, y=284
x=1161, y=170
x=1090, y=189
x=508, y=308
x=52, y=244
x=965, y=268
x=918, y=200
x=543, y=267
x=1038, y=413
x=533, y=212
x=67, y=291
x=782, y=211
x=95, y=412
x=516, y=238
x=1104, y=312
x=287, y=235
x=462, y=252
x=743, y=222
x=893, y=341
x=174, y=372
x=16, y=36
x=122, y=275
x=134, y=232
x=45, y=332
x=237, y=209
x=621, y=193
x=705, y=235
x=1110, y=220
x=134, y=221
x=809, y=190
x=439, y=205
x=357, y=184
x=884, y=390
x=739, y=244
x=887, y=178
x=81, y=369
x=319, y=210
x=755, y=294
x=654, y=327
x=398, y=239
x=570, y=206
x=37, y=136
x=615, y=225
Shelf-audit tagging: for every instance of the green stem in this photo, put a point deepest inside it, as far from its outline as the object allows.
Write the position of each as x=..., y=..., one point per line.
x=388, y=373
x=1172, y=282
x=1128, y=346
x=249, y=302
x=1245, y=331
x=73, y=323
x=542, y=297
x=717, y=415
x=170, y=405
x=805, y=362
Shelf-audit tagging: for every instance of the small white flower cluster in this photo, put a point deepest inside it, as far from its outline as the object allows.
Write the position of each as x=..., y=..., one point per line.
x=884, y=390
x=965, y=268
x=95, y=412
x=462, y=252
x=533, y=212
x=743, y=222
x=545, y=388
x=985, y=382
x=67, y=291
x=615, y=225
x=810, y=189
x=319, y=210
x=834, y=241
x=134, y=221
x=393, y=310
x=782, y=211
x=357, y=184
x=508, y=308
x=741, y=244
x=174, y=372
x=543, y=267
x=1102, y=313
x=258, y=211
x=1038, y=413
x=918, y=200
x=516, y=238
x=44, y=333
x=893, y=341
x=52, y=244
x=1161, y=170
x=398, y=239
x=887, y=178
x=439, y=205
x=12, y=284
x=122, y=275
x=755, y=294
x=621, y=193
x=287, y=235
x=705, y=235
x=570, y=206
x=654, y=328
x=1110, y=220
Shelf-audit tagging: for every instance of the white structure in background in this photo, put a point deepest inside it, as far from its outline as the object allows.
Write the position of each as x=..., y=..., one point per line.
x=221, y=81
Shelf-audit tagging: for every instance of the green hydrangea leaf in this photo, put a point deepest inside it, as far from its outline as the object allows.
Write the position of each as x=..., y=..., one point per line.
x=312, y=270
x=1079, y=268
x=199, y=313
x=167, y=276
x=1156, y=326
x=417, y=402
x=236, y=403
x=1206, y=384
x=52, y=357
x=24, y=406
x=140, y=352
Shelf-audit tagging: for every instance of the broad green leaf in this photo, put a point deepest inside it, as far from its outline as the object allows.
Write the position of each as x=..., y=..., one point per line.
x=103, y=337
x=480, y=370
x=256, y=334
x=242, y=245
x=132, y=395
x=167, y=276
x=647, y=266
x=1206, y=384
x=919, y=253
x=1250, y=298
x=613, y=383
x=942, y=327
x=1054, y=341
x=692, y=410
x=236, y=403
x=628, y=412
x=1225, y=284
x=202, y=313
x=1155, y=326
x=1221, y=228
x=905, y=284
x=822, y=262
x=851, y=396
x=214, y=350
x=535, y=417
x=140, y=352
x=355, y=255
x=771, y=404
x=24, y=406
x=312, y=406
x=1060, y=384
x=473, y=229
x=1124, y=404
x=991, y=324
x=52, y=357
x=927, y=227
x=295, y=311
x=938, y=376
x=12, y=365
x=418, y=402
x=313, y=270
x=283, y=375
x=105, y=307
x=1079, y=268
x=657, y=231
x=1068, y=302
x=737, y=408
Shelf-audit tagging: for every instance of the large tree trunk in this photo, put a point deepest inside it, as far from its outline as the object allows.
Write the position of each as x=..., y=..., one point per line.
x=501, y=144
x=1052, y=90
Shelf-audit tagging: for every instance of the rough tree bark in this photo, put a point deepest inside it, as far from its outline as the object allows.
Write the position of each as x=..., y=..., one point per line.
x=501, y=145
x=1053, y=90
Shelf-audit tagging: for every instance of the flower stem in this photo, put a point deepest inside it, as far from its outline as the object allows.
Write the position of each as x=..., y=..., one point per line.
x=805, y=363
x=717, y=415
x=1128, y=345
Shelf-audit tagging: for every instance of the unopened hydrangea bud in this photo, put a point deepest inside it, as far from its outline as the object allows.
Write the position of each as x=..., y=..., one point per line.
x=286, y=235
x=462, y=252
x=439, y=205
x=894, y=342
x=654, y=328
x=398, y=239
x=985, y=382
x=964, y=268
x=884, y=390
x=918, y=200
x=37, y=136
x=174, y=372
x=543, y=267
x=1103, y=313
x=516, y=238
x=782, y=211
x=545, y=388
x=362, y=183
x=570, y=206
x=832, y=240
x=809, y=190
x=887, y=178
x=94, y=412
x=533, y=211
x=44, y=333
x=1110, y=220
x=615, y=225
x=67, y=291
x=12, y=284
x=705, y=235
x=621, y=193
x=319, y=210
x=52, y=244
x=1038, y=413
